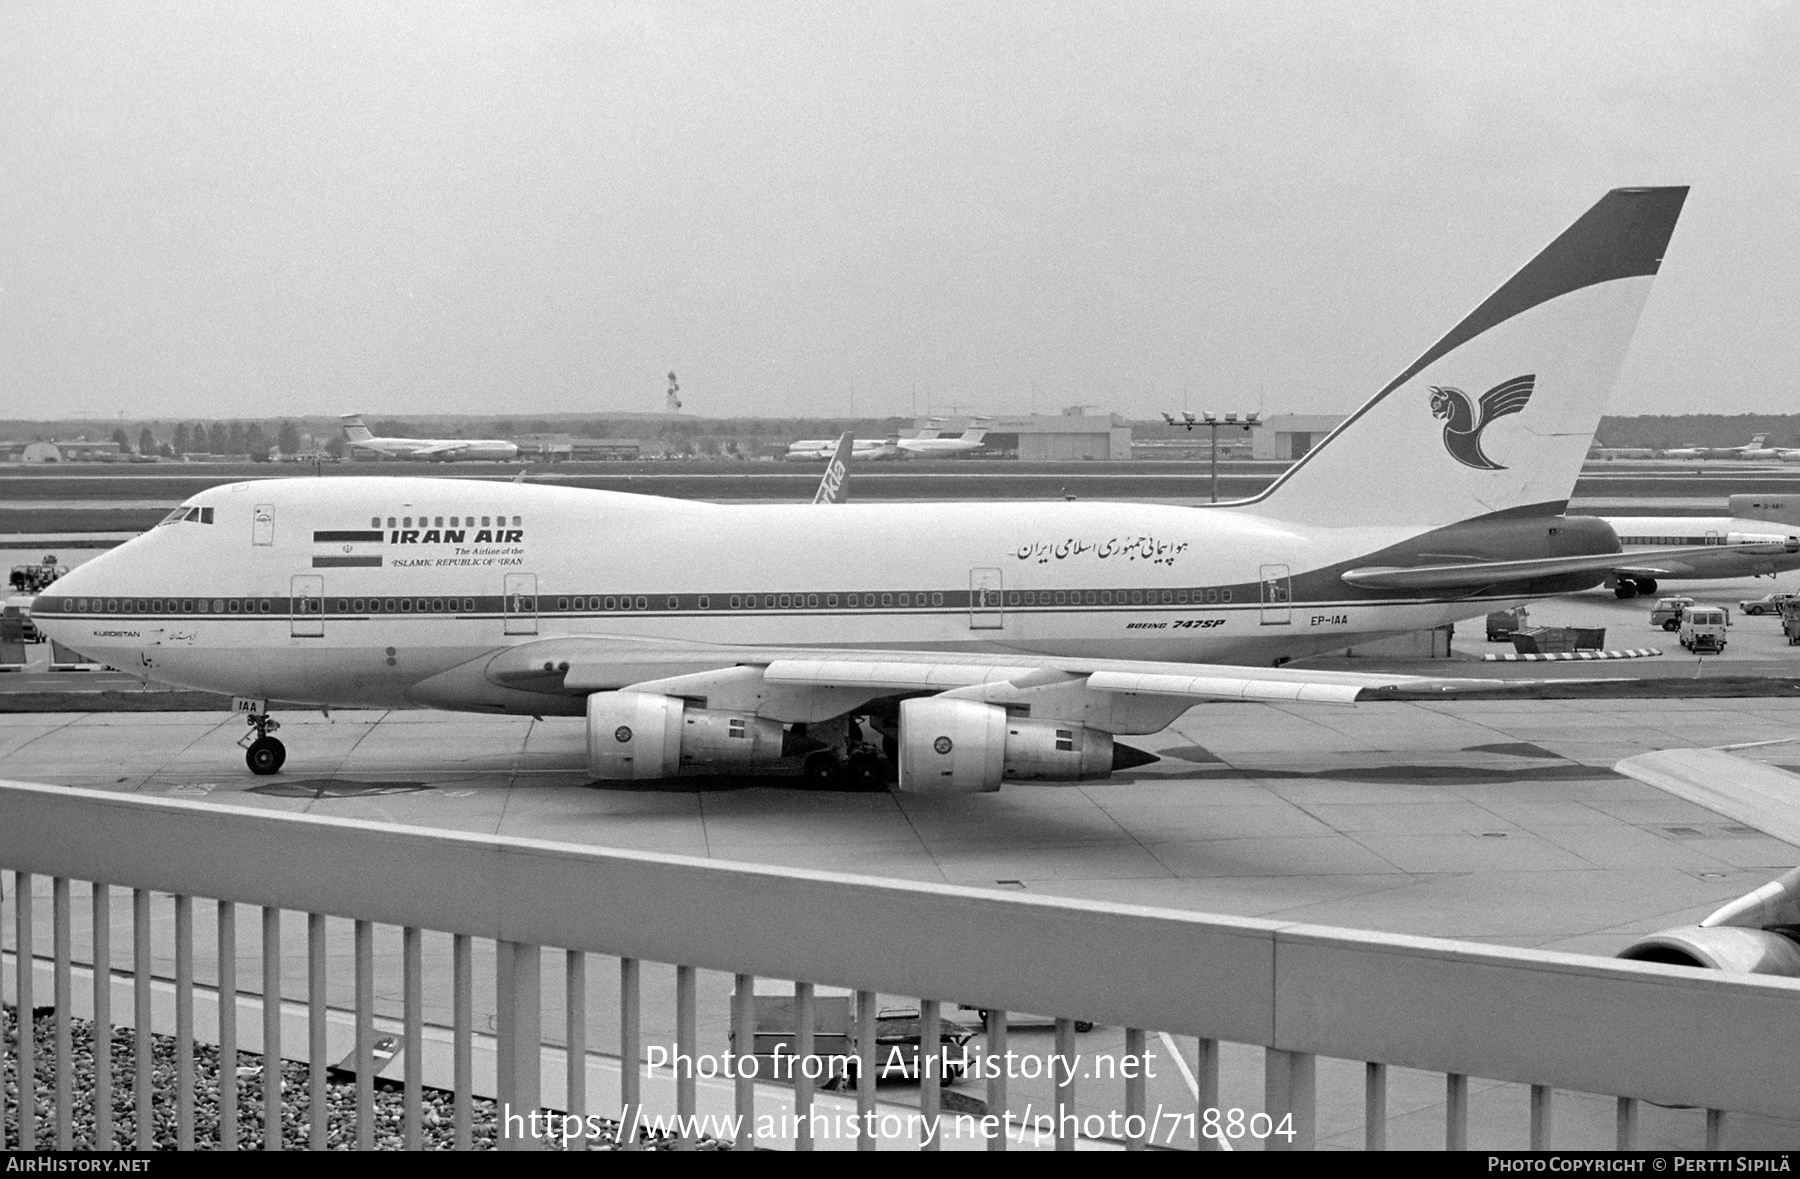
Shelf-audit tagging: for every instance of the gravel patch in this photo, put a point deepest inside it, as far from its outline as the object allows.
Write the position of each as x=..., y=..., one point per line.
x=437, y=1106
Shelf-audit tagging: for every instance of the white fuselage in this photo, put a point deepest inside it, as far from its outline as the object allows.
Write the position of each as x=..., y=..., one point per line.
x=1654, y=532
x=353, y=591
x=441, y=450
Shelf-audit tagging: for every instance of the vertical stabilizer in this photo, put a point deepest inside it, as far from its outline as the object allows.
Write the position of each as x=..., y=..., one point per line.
x=354, y=430
x=834, y=485
x=1498, y=415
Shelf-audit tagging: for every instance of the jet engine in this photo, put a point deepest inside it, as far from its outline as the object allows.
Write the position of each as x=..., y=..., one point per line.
x=1722, y=947
x=640, y=735
x=953, y=746
x=1759, y=933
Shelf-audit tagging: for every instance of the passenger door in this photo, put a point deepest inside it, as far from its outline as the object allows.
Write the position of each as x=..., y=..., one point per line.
x=986, y=600
x=520, y=604
x=308, y=618
x=1277, y=595
x=262, y=525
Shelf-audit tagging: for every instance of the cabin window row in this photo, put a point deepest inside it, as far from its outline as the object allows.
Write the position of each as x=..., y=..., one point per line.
x=177, y=605
x=404, y=605
x=438, y=522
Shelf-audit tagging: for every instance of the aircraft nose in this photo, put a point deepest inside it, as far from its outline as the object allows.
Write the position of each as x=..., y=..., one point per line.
x=64, y=596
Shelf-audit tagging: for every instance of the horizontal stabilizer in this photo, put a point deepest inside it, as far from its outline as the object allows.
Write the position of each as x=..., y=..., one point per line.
x=1475, y=574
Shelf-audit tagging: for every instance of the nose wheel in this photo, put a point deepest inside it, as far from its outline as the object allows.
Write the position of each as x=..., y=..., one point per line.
x=262, y=753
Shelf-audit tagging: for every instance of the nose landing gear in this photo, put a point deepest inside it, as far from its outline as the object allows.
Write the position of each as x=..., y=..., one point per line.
x=262, y=753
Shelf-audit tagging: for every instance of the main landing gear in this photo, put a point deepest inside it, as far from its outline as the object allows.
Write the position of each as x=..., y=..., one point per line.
x=262, y=753
x=1631, y=587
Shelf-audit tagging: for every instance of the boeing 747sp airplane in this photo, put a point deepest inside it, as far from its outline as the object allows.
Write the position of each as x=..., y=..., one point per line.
x=963, y=643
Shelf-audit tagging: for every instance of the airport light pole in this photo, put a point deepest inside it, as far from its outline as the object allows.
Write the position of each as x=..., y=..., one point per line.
x=1246, y=422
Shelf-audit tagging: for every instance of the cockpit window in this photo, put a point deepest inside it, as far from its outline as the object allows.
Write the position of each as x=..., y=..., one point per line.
x=194, y=515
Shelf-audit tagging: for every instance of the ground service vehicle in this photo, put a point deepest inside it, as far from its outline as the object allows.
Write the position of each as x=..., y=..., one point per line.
x=1703, y=629
x=1768, y=603
x=1667, y=613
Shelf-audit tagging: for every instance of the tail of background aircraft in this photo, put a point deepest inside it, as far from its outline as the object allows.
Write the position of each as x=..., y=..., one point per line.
x=834, y=485
x=1758, y=441
x=1498, y=415
x=354, y=430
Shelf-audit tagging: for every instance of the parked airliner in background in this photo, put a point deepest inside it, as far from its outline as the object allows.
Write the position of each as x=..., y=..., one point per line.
x=434, y=449
x=1753, y=450
x=962, y=643
x=938, y=445
x=818, y=450
x=1712, y=547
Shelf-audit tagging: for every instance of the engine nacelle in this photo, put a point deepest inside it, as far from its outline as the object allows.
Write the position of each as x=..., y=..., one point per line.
x=952, y=746
x=1720, y=947
x=636, y=735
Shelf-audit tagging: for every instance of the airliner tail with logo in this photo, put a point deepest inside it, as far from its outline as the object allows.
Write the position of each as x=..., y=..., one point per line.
x=953, y=645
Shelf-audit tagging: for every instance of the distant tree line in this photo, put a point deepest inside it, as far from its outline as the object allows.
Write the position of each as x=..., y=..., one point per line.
x=257, y=439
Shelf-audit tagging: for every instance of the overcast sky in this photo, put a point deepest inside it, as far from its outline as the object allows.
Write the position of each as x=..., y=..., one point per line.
x=818, y=209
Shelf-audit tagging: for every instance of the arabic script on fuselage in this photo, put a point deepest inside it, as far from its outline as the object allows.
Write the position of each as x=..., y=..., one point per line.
x=1125, y=548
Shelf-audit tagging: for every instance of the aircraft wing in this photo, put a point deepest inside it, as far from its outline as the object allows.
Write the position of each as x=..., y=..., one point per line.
x=1122, y=696
x=1762, y=796
x=440, y=448
x=1665, y=562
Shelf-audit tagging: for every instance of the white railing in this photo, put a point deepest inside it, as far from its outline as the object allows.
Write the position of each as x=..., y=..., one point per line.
x=1637, y=1031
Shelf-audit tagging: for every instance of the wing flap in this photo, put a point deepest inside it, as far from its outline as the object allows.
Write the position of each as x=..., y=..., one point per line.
x=1218, y=687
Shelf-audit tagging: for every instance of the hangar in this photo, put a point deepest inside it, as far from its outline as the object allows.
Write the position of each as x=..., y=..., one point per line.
x=1072, y=435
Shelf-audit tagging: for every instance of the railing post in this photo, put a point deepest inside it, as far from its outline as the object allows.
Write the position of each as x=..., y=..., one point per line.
x=1206, y=1080
x=996, y=1081
x=1374, y=1106
x=1540, y=1117
x=462, y=1037
x=931, y=1075
x=103, y=1023
x=631, y=1052
x=867, y=1070
x=412, y=1044
x=1134, y=1089
x=228, y=992
x=743, y=1049
x=803, y=1055
x=1290, y=1094
x=27, y=1049
x=1062, y=1067
x=271, y=1021
x=184, y=1022
x=1715, y=1129
x=140, y=985
x=574, y=1046
x=687, y=1035
x=519, y=1043
x=318, y=1063
x=1627, y=1119
x=1456, y=1111
x=365, y=1035
x=63, y=989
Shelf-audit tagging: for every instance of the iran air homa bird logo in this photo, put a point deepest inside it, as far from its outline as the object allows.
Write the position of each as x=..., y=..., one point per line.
x=1462, y=425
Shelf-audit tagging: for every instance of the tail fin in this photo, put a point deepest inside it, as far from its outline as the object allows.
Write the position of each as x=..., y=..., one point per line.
x=1757, y=440
x=974, y=435
x=834, y=485
x=1498, y=415
x=354, y=430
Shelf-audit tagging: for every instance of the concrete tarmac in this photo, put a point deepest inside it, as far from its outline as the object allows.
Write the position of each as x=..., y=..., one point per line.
x=1495, y=821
